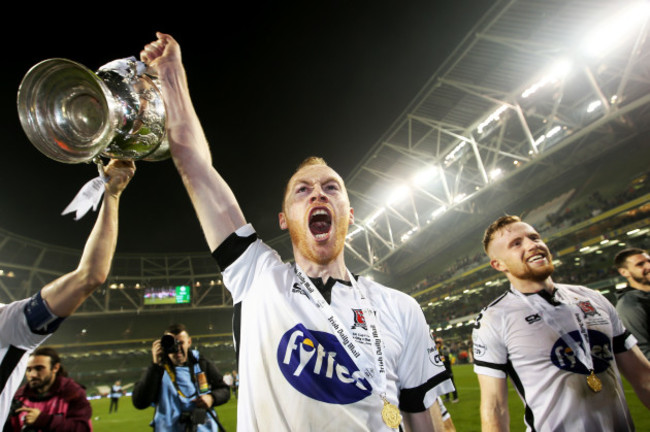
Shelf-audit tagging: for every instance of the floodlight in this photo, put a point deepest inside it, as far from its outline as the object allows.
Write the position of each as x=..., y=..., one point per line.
x=557, y=72
x=425, y=175
x=356, y=231
x=608, y=35
x=593, y=106
x=460, y=198
x=398, y=194
x=375, y=215
x=437, y=212
x=495, y=173
x=491, y=118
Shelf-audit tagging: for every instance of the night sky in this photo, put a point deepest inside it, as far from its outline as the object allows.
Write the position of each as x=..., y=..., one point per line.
x=272, y=83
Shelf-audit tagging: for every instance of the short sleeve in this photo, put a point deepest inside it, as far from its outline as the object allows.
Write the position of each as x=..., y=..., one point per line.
x=490, y=353
x=422, y=374
x=16, y=330
x=240, y=273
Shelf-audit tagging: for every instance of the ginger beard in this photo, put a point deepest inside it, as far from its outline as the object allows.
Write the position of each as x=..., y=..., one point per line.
x=319, y=237
x=316, y=211
x=529, y=271
x=523, y=260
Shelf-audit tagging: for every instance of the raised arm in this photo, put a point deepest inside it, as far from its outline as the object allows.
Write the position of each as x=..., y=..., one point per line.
x=64, y=295
x=214, y=202
x=494, y=404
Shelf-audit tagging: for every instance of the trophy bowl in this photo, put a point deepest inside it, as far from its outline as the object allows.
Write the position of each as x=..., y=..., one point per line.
x=73, y=115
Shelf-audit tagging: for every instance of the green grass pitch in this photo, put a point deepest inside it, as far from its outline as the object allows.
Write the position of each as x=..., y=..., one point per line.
x=465, y=414
x=129, y=419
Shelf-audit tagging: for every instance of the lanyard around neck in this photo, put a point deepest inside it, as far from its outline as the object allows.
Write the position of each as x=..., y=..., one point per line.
x=373, y=368
x=172, y=376
x=563, y=319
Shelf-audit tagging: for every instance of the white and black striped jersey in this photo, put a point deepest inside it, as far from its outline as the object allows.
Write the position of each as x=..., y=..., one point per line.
x=511, y=339
x=24, y=324
x=294, y=373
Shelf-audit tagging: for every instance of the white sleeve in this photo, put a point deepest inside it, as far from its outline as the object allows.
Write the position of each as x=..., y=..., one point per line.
x=15, y=329
x=422, y=374
x=240, y=276
x=490, y=352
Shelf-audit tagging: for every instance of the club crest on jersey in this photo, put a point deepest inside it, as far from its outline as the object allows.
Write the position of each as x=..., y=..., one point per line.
x=587, y=308
x=318, y=366
x=359, y=320
x=564, y=358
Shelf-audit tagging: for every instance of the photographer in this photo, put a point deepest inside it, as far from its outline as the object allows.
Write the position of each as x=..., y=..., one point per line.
x=181, y=384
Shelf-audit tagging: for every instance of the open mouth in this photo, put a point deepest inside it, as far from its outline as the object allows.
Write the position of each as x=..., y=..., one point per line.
x=320, y=223
x=536, y=258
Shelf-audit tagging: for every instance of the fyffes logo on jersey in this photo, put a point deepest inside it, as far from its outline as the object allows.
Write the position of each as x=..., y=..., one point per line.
x=317, y=365
x=564, y=358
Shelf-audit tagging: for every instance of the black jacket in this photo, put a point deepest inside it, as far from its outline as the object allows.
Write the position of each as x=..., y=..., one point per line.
x=147, y=390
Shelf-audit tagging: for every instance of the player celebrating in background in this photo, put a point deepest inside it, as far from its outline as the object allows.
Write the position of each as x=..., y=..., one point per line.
x=561, y=345
x=318, y=348
x=27, y=323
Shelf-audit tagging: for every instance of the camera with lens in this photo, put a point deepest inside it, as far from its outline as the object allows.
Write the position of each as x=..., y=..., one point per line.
x=169, y=344
x=16, y=404
x=192, y=419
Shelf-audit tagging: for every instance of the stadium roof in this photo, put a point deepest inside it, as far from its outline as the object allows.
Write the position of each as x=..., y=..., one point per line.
x=518, y=109
x=533, y=91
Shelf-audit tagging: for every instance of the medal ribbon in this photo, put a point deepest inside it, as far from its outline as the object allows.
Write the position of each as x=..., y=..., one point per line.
x=374, y=371
x=89, y=195
x=562, y=322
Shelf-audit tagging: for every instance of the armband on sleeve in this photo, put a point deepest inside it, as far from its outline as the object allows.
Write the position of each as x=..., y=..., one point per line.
x=232, y=248
x=39, y=317
x=624, y=342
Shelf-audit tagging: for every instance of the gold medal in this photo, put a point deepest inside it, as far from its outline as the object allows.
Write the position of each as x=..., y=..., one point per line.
x=390, y=414
x=594, y=382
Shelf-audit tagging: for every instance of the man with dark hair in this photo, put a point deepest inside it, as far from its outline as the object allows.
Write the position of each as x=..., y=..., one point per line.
x=562, y=345
x=25, y=324
x=318, y=348
x=50, y=401
x=182, y=384
x=633, y=302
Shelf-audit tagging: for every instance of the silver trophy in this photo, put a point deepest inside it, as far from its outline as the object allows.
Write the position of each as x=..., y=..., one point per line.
x=73, y=115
